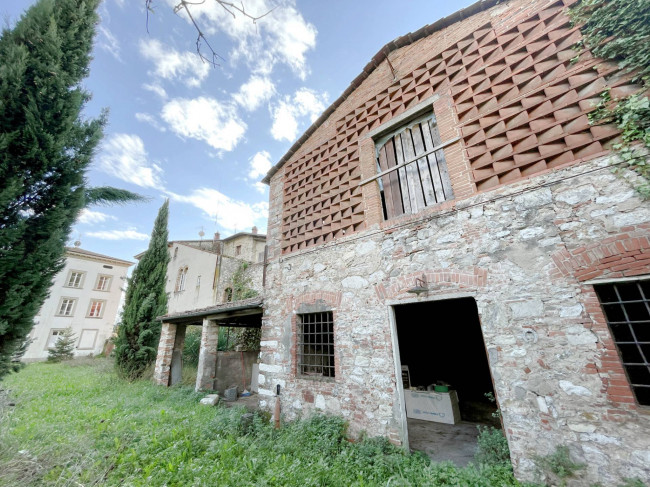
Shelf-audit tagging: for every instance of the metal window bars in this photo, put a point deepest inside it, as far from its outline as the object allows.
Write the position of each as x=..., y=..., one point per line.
x=627, y=310
x=316, y=344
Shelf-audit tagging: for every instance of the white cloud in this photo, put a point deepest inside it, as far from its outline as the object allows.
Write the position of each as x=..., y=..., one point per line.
x=157, y=89
x=260, y=187
x=305, y=103
x=230, y=214
x=151, y=120
x=130, y=234
x=259, y=165
x=90, y=217
x=124, y=156
x=282, y=36
x=254, y=92
x=108, y=42
x=171, y=64
x=205, y=119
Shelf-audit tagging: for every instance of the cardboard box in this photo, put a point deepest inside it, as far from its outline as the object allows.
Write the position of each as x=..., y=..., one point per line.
x=441, y=407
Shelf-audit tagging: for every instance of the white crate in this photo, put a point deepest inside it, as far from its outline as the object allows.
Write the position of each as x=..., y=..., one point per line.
x=441, y=407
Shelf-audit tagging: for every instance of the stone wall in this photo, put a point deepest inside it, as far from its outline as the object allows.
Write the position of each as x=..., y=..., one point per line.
x=524, y=252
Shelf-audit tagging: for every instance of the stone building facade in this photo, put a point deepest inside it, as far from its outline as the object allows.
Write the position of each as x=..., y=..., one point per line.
x=201, y=292
x=524, y=221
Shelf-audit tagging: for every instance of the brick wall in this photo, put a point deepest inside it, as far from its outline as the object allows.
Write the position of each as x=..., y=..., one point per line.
x=513, y=89
x=523, y=247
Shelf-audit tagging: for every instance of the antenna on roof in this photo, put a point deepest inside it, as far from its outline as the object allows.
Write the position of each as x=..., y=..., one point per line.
x=77, y=243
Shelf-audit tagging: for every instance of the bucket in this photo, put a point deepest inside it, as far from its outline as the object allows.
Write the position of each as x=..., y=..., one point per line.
x=230, y=394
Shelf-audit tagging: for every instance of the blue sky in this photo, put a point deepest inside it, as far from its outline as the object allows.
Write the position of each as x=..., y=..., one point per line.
x=202, y=136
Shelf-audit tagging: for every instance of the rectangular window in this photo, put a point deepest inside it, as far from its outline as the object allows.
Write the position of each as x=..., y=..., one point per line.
x=96, y=309
x=87, y=339
x=627, y=310
x=75, y=279
x=316, y=344
x=103, y=283
x=54, y=336
x=66, y=307
x=412, y=169
x=238, y=250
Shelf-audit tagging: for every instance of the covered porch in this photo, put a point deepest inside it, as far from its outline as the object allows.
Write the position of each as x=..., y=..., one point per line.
x=169, y=361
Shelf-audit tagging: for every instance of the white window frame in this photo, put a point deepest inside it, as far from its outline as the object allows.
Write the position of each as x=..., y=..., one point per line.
x=108, y=281
x=70, y=309
x=81, y=336
x=79, y=282
x=102, y=307
x=50, y=335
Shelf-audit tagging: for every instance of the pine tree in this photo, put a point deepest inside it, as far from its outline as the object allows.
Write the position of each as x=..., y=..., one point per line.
x=45, y=149
x=138, y=334
x=63, y=348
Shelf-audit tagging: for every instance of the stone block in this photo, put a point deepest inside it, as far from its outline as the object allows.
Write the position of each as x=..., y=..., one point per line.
x=210, y=400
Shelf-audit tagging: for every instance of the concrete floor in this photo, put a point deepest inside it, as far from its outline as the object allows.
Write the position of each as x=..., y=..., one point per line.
x=444, y=442
x=251, y=403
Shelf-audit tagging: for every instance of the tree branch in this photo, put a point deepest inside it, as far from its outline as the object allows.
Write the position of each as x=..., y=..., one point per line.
x=201, y=39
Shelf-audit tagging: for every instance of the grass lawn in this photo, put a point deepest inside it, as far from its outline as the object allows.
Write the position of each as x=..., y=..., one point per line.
x=78, y=424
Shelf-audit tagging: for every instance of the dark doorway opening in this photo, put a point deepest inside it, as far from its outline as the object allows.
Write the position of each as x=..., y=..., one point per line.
x=441, y=342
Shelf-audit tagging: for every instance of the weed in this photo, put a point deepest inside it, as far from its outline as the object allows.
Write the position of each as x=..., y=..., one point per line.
x=558, y=464
x=492, y=447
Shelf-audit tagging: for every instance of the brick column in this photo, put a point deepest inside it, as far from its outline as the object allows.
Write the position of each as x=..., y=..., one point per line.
x=176, y=372
x=164, y=357
x=207, y=370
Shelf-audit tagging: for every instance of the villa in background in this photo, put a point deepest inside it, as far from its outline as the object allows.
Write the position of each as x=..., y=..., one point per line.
x=86, y=297
x=199, y=273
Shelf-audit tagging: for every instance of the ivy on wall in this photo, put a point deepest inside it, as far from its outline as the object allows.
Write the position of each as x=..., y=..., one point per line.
x=619, y=30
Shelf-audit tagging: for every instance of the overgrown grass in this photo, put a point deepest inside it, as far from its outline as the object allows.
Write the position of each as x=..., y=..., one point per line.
x=77, y=424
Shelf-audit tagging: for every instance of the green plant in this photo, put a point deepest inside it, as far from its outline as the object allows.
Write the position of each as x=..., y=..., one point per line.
x=620, y=30
x=492, y=447
x=47, y=142
x=192, y=345
x=558, y=464
x=241, y=283
x=138, y=333
x=492, y=399
x=63, y=348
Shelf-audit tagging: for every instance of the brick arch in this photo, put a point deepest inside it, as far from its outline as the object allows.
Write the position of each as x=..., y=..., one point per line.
x=437, y=280
x=623, y=255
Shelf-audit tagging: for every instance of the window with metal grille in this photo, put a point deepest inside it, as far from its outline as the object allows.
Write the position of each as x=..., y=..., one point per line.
x=412, y=169
x=627, y=309
x=316, y=344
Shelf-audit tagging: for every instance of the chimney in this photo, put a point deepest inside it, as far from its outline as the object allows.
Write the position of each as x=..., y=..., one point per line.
x=254, y=230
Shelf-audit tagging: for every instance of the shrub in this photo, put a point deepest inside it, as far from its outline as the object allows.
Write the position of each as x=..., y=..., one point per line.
x=492, y=447
x=63, y=348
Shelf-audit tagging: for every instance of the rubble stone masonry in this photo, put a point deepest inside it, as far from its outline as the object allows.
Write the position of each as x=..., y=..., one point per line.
x=537, y=215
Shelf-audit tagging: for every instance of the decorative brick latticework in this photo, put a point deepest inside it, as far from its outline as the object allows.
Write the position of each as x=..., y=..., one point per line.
x=521, y=94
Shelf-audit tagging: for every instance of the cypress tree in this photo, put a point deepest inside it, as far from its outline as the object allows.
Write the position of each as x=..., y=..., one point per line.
x=138, y=333
x=45, y=149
